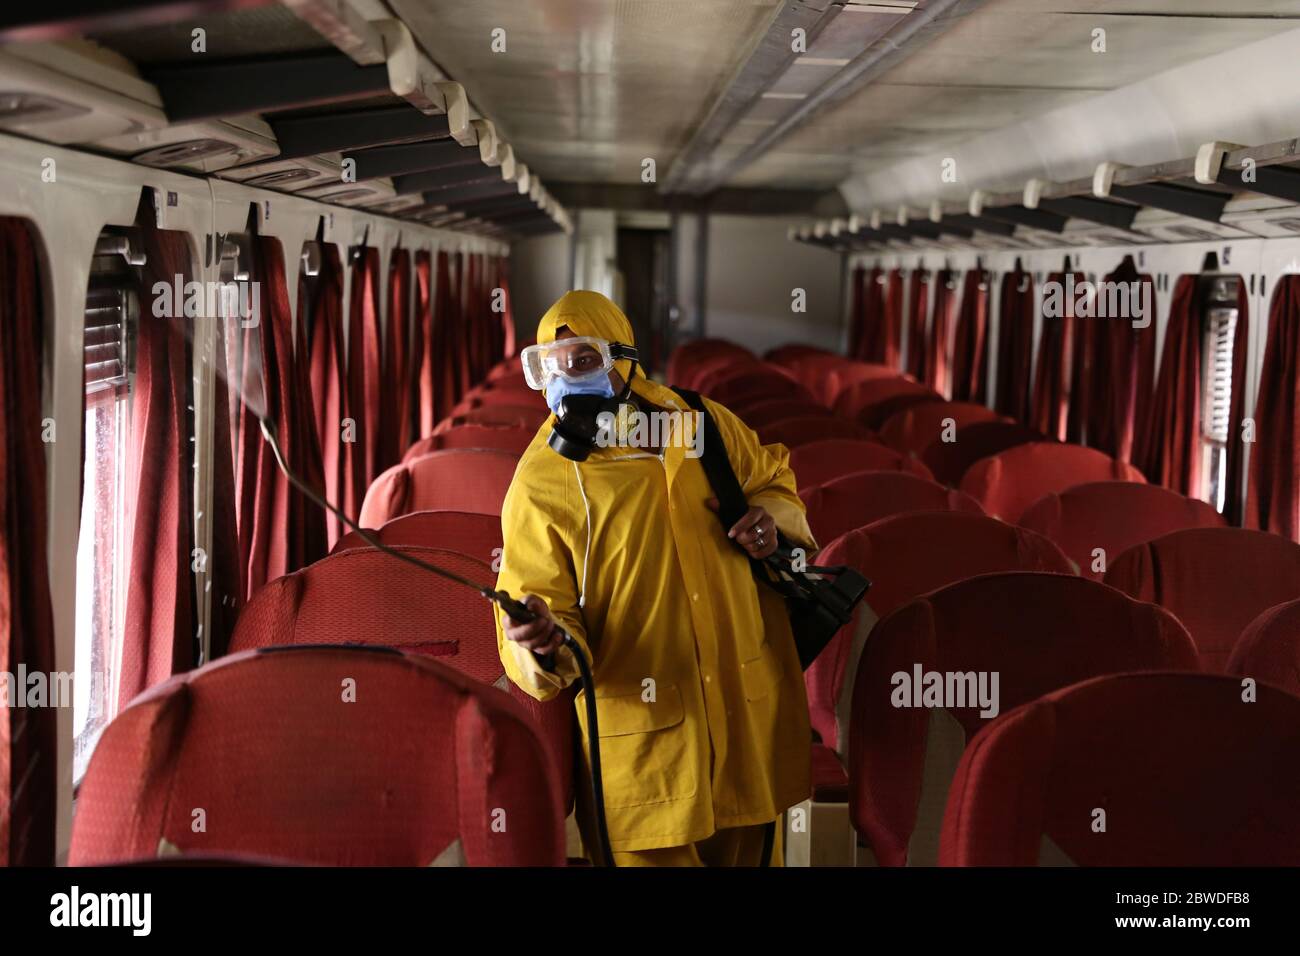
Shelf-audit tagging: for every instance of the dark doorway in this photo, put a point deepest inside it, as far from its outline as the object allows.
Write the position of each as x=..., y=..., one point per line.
x=642, y=257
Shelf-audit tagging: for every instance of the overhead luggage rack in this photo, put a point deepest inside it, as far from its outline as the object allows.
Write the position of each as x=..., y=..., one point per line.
x=1226, y=191
x=304, y=96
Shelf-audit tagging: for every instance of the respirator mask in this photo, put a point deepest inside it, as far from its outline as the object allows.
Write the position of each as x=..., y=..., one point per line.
x=574, y=372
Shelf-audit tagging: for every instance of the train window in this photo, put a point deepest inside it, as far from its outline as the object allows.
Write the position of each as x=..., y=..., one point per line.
x=1218, y=331
x=112, y=310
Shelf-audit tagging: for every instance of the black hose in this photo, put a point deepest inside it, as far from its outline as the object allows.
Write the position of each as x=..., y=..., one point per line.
x=593, y=735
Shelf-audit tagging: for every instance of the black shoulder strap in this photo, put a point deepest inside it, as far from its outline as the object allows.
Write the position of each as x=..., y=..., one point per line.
x=713, y=456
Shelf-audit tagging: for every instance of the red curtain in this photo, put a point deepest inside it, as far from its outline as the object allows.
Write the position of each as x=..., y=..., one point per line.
x=280, y=530
x=1121, y=364
x=365, y=364
x=875, y=330
x=1015, y=344
x=225, y=568
x=28, y=735
x=158, y=637
x=918, y=283
x=1051, y=394
x=443, y=347
x=421, y=391
x=969, y=381
x=938, y=368
x=1171, y=442
x=893, y=318
x=506, y=349
x=394, y=432
x=1273, y=497
x=459, y=328
x=320, y=304
x=857, y=311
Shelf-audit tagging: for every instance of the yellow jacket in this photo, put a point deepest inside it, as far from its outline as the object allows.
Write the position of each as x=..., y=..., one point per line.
x=700, y=697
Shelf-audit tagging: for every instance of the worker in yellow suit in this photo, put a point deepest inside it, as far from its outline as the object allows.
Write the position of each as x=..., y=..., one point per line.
x=703, y=718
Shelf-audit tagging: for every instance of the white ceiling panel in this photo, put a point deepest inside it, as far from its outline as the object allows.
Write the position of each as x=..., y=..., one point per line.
x=587, y=89
x=589, y=85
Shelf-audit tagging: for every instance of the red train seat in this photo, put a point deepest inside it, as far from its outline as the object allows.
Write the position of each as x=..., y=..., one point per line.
x=949, y=461
x=336, y=756
x=793, y=432
x=509, y=416
x=1217, y=580
x=856, y=500
x=905, y=556
x=368, y=598
x=1007, y=483
x=910, y=430
x=466, y=532
x=819, y=462
x=852, y=400
x=759, y=414
x=1185, y=773
x=925, y=685
x=512, y=439
x=455, y=479
x=1113, y=516
x=1269, y=648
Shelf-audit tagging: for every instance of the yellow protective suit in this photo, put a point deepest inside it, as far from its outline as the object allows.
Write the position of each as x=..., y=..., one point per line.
x=700, y=697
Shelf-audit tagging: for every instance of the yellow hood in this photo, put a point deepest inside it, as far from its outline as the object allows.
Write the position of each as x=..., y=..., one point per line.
x=591, y=314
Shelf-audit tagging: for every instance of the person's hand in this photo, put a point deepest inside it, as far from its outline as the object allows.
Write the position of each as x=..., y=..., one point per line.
x=755, y=532
x=540, y=636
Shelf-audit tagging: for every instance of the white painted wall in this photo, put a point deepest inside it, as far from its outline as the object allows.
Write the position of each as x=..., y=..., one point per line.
x=539, y=274
x=753, y=270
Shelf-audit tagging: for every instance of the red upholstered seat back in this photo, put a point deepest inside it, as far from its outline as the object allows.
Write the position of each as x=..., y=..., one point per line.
x=818, y=462
x=767, y=390
x=793, y=432
x=510, y=393
x=737, y=373
x=518, y=416
x=1269, y=648
x=1007, y=483
x=814, y=370
x=691, y=357
x=455, y=479
x=1217, y=580
x=830, y=383
x=852, y=400
x=512, y=439
x=768, y=412
x=904, y=557
x=787, y=354
x=1186, y=774
x=323, y=755
x=1036, y=632
x=465, y=532
x=856, y=500
x=949, y=461
x=876, y=414
x=1113, y=516
x=369, y=598
x=912, y=429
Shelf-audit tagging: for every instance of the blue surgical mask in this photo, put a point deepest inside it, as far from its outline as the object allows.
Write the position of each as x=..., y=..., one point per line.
x=559, y=386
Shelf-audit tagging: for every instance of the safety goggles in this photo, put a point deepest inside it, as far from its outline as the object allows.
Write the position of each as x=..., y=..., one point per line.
x=577, y=359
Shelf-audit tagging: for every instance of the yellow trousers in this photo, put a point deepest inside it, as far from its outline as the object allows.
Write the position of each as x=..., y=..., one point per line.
x=737, y=846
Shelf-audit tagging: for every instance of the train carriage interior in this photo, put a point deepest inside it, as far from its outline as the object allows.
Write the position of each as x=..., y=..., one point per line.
x=1005, y=292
